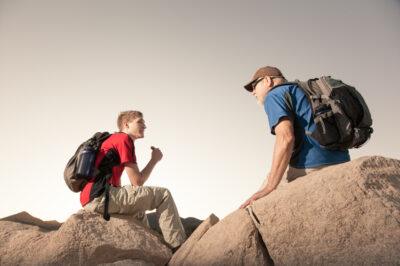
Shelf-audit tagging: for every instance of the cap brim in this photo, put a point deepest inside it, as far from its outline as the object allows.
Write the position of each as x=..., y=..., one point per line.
x=249, y=86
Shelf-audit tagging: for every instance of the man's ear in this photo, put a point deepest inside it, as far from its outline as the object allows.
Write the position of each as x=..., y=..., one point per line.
x=268, y=81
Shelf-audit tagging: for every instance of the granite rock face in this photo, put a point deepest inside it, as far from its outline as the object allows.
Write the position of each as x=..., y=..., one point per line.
x=184, y=251
x=232, y=241
x=347, y=214
x=84, y=239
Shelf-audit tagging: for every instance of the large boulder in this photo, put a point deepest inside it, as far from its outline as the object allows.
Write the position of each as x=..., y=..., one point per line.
x=232, y=241
x=183, y=252
x=347, y=214
x=84, y=239
x=26, y=218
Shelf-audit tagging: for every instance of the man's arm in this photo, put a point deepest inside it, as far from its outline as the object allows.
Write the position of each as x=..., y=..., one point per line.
x=282, y=152
x=138, y=178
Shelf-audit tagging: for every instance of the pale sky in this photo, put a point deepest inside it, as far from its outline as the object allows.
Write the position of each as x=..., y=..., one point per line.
x=67, y=68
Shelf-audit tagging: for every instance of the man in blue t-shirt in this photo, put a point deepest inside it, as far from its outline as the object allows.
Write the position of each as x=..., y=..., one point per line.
x=290, y=119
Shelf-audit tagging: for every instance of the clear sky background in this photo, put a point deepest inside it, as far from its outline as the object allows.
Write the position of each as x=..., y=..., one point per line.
x=67, y=68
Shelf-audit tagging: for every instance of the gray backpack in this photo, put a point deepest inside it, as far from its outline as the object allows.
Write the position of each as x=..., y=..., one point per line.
x=341, y=116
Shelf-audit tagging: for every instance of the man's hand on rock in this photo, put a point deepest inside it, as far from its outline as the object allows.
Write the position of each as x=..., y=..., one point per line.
x=256, y=196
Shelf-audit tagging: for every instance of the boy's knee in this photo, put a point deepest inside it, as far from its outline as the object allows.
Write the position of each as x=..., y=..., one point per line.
x=164, y=191
x=161, y=192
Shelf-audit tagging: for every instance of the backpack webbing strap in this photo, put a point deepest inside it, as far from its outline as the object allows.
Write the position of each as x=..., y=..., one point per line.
x=101, y=185
x=106, y=214
x=313, y=97
x=326, y=90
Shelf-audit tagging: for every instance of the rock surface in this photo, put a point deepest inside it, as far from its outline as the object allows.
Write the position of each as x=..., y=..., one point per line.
x=346, y=214
x=184, y=251
x=232, y=241
x=26, y=218
x=84, y=239
x=129, y=263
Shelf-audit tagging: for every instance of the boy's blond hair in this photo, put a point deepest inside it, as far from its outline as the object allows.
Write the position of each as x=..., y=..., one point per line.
x=127, y=116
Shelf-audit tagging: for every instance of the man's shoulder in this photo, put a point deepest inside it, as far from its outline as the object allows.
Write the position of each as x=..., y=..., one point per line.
x=281, y=91
x=284, y=87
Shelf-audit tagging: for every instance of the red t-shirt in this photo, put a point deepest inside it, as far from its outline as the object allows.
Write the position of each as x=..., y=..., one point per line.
x=123, y=144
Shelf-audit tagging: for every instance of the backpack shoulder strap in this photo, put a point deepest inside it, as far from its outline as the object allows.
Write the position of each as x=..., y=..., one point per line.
x=98, y=138
x=324, y=85
x=312, y=91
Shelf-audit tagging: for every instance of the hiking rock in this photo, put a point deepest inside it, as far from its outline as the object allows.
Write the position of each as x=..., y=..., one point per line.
x=128, y=263
x=232, y=241
x=84, y=239
x=347, y=214
x=26, y=218
x=183, y=252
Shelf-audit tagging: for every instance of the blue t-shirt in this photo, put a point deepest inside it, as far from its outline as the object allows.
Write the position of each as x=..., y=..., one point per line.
x=307, y=152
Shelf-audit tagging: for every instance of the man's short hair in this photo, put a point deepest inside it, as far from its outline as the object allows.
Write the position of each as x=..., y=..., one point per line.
x=127, y=116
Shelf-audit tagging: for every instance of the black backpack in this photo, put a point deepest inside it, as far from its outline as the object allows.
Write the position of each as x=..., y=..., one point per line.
x=341, y=116
x=81, y=166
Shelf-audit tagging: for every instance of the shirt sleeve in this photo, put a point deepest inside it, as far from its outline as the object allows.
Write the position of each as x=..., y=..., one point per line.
x=276, y=107
x=126, y=150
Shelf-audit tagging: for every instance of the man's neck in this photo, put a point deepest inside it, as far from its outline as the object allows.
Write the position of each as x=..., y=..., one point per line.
x=279, y=81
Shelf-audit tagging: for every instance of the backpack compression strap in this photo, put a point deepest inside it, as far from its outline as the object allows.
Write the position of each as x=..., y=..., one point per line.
x=101, y=184
x=106, y=214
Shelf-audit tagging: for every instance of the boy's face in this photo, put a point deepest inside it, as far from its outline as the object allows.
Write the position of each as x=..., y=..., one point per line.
x=136, y=127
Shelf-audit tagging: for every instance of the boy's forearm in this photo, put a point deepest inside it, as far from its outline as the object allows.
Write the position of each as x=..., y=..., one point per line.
x=146, y=171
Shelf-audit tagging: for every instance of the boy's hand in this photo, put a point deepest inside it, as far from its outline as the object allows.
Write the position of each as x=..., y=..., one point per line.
x=156, y=154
